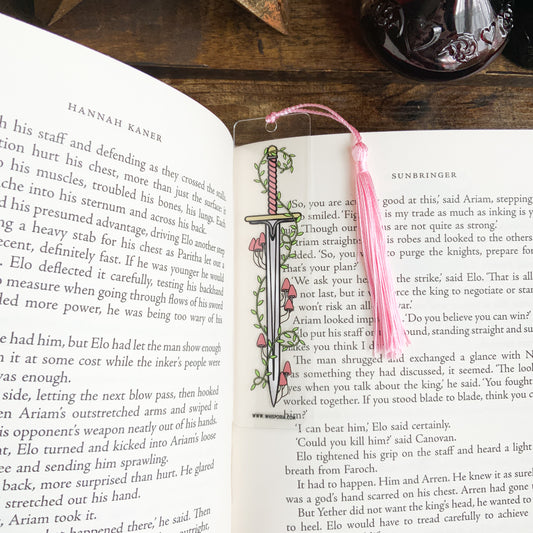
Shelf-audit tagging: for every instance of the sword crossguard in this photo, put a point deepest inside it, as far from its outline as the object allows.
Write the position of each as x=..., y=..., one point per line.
x=272, y=221
x=266, y=219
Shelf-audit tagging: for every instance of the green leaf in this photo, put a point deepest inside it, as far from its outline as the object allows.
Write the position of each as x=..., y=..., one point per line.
x=257, y=373
x=264, y=384
x=252, y=387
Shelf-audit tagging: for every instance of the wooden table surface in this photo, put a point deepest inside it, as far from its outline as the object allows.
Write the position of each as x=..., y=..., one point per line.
x=238, y=67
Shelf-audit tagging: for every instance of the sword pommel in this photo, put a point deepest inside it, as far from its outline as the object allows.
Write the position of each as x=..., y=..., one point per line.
x=272, y=151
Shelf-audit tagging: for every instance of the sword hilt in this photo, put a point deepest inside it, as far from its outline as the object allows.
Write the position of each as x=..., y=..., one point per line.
x=272, y=173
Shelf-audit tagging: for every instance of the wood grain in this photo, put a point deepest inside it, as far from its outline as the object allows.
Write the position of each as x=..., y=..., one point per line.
x=372, y=102
x=222, y=56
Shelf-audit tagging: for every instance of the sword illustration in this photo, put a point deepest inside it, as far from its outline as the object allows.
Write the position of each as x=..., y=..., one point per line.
x=272, y=223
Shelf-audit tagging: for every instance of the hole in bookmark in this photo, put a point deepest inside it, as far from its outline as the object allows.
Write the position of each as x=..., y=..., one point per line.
x=258, y=130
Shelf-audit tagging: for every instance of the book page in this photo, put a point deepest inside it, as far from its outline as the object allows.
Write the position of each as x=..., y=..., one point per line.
x=440, y=437
x=116, y=265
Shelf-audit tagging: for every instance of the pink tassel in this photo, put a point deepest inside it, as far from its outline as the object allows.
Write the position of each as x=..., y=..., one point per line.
x=390, y=336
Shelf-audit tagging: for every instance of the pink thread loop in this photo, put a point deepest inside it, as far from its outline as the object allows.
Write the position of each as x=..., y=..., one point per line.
x=314, y=109
x=390, y=336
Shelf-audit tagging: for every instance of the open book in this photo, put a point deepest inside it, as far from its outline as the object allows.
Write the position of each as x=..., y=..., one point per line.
x=184, y=348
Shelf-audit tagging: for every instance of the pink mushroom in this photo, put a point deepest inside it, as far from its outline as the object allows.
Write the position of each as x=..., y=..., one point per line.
x=261, y=342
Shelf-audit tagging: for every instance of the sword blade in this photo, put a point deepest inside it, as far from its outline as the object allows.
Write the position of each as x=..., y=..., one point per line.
x=272, y=225
x=272, y=260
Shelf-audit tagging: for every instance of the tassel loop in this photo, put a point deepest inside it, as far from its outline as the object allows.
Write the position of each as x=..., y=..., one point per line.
x=390, y=337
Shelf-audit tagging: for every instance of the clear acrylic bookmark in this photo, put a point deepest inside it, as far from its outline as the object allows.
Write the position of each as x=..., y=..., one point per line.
x=272, y=177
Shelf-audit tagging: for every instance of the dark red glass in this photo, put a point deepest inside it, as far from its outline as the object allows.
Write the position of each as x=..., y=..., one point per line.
x=436, y=39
